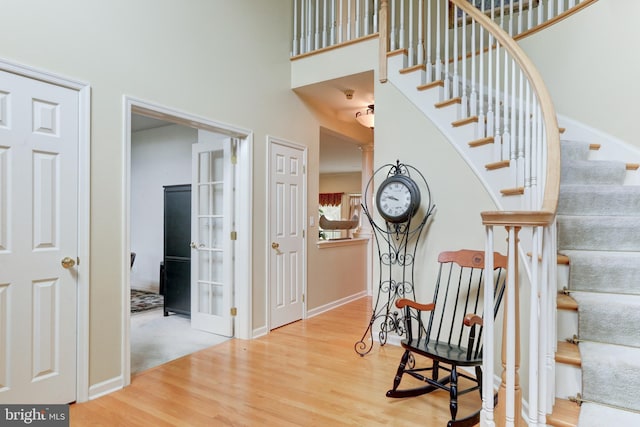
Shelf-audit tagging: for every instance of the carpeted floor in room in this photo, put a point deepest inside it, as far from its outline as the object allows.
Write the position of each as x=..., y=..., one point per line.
x=156, y=339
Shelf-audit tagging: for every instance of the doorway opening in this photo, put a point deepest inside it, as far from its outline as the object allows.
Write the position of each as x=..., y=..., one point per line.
x=159, y=160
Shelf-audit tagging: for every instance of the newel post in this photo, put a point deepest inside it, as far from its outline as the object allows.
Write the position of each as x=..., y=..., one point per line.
x=384, y=40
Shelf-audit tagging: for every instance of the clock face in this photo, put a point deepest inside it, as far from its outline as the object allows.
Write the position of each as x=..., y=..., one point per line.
x=398, y=198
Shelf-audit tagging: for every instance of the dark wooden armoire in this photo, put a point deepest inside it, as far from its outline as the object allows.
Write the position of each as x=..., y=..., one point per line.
x=177, y=249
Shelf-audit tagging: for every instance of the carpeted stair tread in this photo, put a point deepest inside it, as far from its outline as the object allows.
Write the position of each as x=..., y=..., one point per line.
x=611, y=318
x=613, y=233
x=594, y=415
x=593, y=172
x=599, y=200
x=611, y=374
x=604, y=271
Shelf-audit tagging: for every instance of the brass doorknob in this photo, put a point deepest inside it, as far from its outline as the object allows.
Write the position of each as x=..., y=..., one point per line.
x=68, y=262
x=275, y=245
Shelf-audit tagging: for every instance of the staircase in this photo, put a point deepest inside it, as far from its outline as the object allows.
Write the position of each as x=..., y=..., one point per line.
x=598, y=238
x=462, y=68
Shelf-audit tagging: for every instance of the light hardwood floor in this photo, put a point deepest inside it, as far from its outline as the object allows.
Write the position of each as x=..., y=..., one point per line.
x=303, y=374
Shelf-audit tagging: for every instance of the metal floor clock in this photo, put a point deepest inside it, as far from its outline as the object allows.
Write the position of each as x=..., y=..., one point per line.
x=403, y=202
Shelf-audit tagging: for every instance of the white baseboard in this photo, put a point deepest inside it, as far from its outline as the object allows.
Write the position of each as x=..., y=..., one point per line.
x=324, y=308
x=258, y=332
x=106, y=387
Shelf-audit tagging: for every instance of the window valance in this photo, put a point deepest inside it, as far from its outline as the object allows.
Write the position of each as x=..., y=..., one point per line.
x=330, y=199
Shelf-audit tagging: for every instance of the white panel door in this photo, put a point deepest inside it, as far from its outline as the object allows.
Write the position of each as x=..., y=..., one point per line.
x=212, y=202
x=286, y=224
x=38, y=229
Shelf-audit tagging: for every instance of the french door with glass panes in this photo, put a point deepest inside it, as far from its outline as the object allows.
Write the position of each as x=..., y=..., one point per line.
x=212, y=192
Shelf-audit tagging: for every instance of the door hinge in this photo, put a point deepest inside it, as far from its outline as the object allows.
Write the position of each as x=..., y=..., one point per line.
x=234, y=152
x=303, y=234
x=302, y=297
x=234, y=311
x=304, y=169
x=234, y=235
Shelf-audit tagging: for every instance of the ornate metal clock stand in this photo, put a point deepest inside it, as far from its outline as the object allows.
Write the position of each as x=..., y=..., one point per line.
x=403, y=200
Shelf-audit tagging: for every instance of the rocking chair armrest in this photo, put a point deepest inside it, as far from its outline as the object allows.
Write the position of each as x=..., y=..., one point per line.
x=472, y=319
x=403, y=302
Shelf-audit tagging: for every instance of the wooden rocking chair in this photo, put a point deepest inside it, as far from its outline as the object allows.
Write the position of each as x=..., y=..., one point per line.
x=448, y=331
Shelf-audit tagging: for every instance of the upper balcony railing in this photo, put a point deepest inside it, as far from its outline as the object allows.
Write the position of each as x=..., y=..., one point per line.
x=318, y=24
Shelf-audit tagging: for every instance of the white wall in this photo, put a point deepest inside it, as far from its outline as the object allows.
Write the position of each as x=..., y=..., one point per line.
x=590, y=64
x=225, y=61
x=160, y=156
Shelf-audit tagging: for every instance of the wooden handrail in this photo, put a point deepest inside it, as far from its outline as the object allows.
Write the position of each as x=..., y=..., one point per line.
x=552, y=182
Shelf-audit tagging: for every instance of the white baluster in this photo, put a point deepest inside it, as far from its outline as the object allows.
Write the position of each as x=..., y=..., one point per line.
x=332, y=31
x=511, y=322
x=316, y=38
x=551, y=335
x=358, y=19
x=487, y=416
x=506, y=105
x=490, y=115
x=456, y=78
x=464, y=101
x=376, y=8
x=520, y=126
x=428, y=61
x=446, y=65
x=366, y=20
x=420, y=46
x=349, y=21
x=527, y=147
x=393, y=39
x=542, y=344
x=410, y=44
x=401, y=31
x=473, y=97
x=510, y=30
x=296, y=36
x=438, y=65
x=534, y=332
x=325, y=35
x=520, y=17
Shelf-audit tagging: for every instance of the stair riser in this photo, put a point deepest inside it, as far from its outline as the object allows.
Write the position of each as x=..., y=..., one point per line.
x=567, y=324
x=570, y=150
x=568, y=380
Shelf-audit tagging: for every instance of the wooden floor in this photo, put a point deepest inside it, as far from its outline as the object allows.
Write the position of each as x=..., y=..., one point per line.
x=303, y=374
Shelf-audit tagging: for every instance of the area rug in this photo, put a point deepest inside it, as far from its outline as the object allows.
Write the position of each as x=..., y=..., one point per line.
x=145, y=300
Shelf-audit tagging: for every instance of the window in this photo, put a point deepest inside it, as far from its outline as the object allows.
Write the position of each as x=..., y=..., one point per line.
x=347, y=208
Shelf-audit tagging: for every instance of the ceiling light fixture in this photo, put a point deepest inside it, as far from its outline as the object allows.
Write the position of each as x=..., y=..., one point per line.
x=365, y=118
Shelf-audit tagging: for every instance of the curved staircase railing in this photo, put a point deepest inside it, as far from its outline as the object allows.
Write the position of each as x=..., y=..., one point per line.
x=479, y=70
